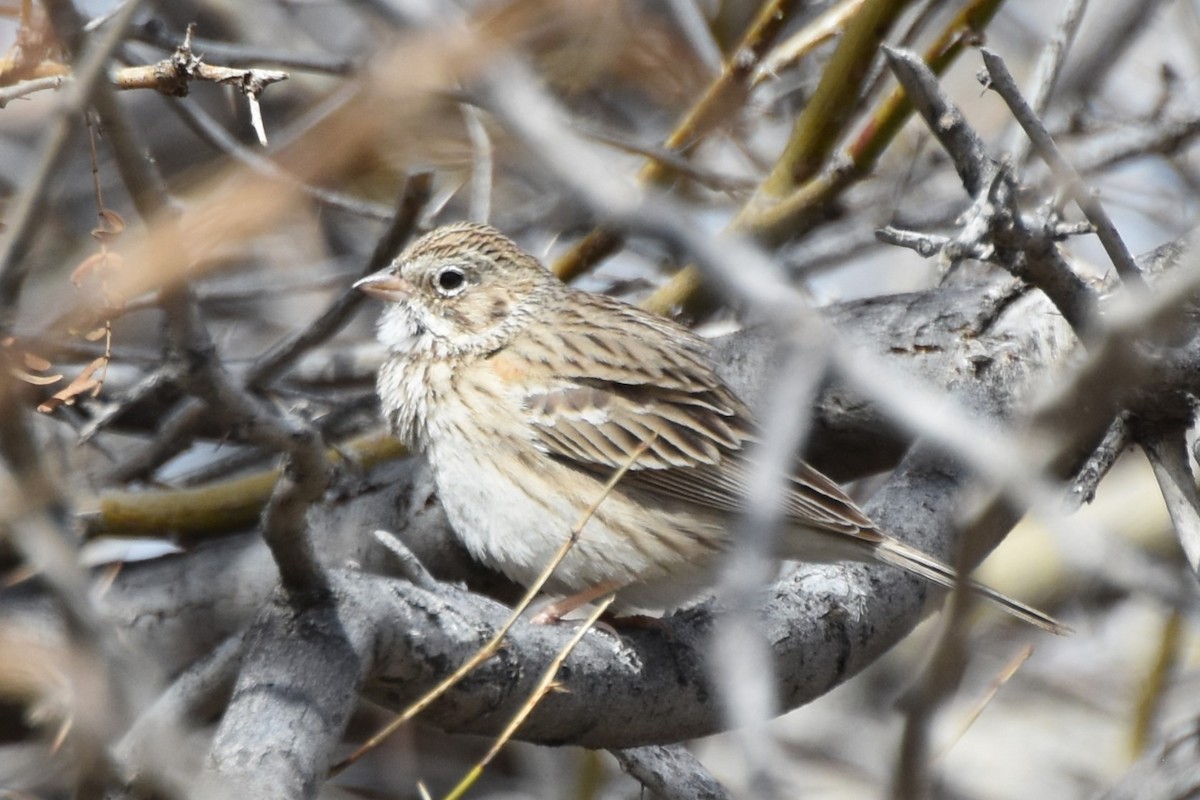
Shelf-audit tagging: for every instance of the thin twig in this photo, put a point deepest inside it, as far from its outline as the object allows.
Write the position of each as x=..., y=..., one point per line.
x=1168, y=456
x=173, y=76
x=834, y=103
x=1048, y=69
x=801, y=43
x=993, y=688
x=32, y=86
x=155, y=32
x=965, y=148
x=207, y=129
x=723, y=97
x=174, y=435
x=1115, y=441
x=412, y=199
x=23, y=214
x=1002, y=81
x=994, y=228
x=543, y=687
x=482, y=163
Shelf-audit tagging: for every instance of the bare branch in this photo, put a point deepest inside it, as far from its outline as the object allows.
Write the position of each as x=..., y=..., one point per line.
x=966, y=149
x=409, y=204
x=1169, y=457
x=994, y=228
x=26, y=88
x=1048, y=69
x=1002, y=81
x=671, y=772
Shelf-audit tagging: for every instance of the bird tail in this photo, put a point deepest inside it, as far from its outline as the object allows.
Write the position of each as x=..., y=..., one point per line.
x=896, y=553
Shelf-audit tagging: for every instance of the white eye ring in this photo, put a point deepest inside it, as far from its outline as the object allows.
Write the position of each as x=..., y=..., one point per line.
x=450, y=281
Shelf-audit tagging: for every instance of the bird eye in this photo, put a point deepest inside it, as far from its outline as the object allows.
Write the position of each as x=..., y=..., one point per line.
x=450, y=281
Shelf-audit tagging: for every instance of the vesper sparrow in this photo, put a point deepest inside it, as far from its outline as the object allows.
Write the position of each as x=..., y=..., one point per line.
x=527, y=395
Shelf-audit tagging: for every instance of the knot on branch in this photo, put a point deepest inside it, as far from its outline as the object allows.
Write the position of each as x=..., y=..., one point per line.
x=173, y=75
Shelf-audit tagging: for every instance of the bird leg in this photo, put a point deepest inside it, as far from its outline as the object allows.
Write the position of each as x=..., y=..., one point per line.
x=560, y=608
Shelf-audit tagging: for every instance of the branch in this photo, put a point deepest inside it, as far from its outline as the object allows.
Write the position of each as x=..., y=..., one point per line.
x=173, y=76
x=26, y=211
x=26, y=88
x=994, y=228
x=670, y=772
x=1002, y=81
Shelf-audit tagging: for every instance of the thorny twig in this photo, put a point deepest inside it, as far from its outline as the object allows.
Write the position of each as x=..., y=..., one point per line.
x=1002, y=81
x=173, y=76
x=995, y=228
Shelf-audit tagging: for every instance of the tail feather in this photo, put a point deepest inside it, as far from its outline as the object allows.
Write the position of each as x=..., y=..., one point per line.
x=898, y=554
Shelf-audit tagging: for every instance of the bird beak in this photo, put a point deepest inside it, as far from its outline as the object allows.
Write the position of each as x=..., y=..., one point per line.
x=385, y=285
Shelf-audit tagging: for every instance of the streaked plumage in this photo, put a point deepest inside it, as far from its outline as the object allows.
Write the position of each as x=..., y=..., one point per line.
x=526, y=395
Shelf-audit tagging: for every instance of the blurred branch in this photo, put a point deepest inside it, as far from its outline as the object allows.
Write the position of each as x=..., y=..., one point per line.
x=208, y=130
x=26, y=88
x=22, y=215
x=174, y=434
x=720, y=101
x=1168, y=454
x=413, y=197
x=835, y=102
x=154, y=751
x=1167, y=771
x=1103, y=49
x=791, y=217
x=192, y=514
x=155, y=32
x=1046, y=74
x=305, y=475
x=939, y=680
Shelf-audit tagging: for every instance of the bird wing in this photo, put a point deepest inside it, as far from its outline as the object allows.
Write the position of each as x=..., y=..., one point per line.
x=603, y=405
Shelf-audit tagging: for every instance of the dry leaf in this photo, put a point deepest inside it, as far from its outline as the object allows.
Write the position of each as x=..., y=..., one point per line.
x=35, y=380
x=86, y=267
x=30, y=365
x=104, y=260
x=35, y=362
x=112, y=225
x=82, y=383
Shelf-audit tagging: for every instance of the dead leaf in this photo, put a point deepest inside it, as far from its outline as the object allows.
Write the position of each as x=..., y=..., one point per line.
x=83, y=382
x=86, y=267
x=112, y=225
x=35, y=362
x=34, y=380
